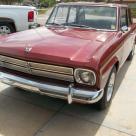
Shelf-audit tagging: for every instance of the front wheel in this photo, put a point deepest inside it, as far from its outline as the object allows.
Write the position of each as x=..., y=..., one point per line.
x=108, y=91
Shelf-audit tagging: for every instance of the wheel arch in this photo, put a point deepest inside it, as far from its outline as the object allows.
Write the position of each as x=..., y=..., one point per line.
x=8, y=20
x=106, y=70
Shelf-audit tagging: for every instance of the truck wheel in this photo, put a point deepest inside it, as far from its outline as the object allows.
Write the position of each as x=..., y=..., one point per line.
x=131, y=55
x=108, y=91
x=6, y=28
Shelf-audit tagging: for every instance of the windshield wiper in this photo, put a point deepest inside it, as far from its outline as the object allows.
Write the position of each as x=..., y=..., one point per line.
x=79, y=25
x=83, y=26
x=55, y=24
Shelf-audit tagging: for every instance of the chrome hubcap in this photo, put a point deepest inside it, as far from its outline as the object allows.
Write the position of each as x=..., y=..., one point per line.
x=4, y=30
x=110, y=87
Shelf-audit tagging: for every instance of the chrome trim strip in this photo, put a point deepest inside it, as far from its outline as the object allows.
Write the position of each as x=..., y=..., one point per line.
x=13, y=61
x=54, y=90
x=51, y=68
x=44, y=70
x=14, y=67
x=54, y=75
x=38, y=66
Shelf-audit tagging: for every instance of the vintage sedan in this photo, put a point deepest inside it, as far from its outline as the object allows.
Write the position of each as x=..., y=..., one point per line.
x=75, y=56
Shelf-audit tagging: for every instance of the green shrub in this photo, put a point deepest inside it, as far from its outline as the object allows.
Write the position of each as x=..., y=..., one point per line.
x=133, y=11
x=49, y=2
x=42, y=11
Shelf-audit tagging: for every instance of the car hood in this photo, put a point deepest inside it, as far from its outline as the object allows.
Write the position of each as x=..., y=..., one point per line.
x=56, y=45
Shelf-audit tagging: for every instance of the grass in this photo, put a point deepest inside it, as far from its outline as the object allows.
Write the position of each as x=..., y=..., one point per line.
x=42, y=11
x=133, y=11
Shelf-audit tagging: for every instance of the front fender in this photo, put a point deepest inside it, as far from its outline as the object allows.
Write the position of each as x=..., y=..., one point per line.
x=106, y=69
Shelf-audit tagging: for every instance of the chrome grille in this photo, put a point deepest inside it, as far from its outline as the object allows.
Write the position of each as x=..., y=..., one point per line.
x=44, y=70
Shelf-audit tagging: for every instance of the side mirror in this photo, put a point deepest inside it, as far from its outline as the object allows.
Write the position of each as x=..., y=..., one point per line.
x=124, y=28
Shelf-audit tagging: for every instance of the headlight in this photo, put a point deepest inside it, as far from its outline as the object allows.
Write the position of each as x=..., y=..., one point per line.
x=84, y=76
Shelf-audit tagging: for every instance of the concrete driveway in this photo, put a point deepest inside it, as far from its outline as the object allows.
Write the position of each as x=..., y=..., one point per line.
x=28, y=114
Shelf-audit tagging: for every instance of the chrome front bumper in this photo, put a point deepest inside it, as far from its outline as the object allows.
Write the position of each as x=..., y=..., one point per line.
x=54, y=90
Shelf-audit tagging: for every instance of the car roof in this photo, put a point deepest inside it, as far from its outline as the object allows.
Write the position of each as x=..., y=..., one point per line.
x=92, y=4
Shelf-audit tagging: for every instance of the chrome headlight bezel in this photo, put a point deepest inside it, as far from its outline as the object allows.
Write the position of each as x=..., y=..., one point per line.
x=79, y=79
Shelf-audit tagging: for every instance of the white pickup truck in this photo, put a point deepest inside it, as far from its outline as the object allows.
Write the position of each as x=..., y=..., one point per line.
x=16, y=18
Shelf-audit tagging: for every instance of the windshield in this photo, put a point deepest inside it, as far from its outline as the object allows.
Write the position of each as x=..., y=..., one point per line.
x=95, y=17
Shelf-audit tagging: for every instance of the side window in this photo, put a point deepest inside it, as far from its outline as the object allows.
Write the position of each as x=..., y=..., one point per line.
x=124, y=19
x=72, y=15
x=61, y=15
x=81, y=16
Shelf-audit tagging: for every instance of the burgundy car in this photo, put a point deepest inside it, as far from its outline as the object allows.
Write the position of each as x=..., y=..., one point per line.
x=75, y=56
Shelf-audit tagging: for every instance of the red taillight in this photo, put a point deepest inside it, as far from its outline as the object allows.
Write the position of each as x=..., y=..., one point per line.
x=30, y=16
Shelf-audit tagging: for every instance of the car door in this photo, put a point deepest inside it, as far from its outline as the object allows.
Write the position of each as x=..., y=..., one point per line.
x=127, y=32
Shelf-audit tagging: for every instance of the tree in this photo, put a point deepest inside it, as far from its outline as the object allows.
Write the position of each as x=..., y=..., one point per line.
x=7, y=1
x=49, y=2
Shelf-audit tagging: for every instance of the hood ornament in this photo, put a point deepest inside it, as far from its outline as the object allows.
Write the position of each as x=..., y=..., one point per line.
x=28, y=49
